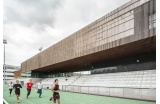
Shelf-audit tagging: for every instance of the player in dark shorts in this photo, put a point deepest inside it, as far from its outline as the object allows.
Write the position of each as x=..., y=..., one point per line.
x=55, y=90
x=10, y=88
x=17, y=87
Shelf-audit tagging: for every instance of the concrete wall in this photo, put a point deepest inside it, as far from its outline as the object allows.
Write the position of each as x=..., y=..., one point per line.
x=134, y=93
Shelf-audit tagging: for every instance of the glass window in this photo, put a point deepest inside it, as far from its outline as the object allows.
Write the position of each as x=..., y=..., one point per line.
x=152, y=21
x=154, y=25
x=154, y=17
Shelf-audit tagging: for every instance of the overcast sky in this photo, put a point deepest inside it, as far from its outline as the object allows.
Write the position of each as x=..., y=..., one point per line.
x=31, y=24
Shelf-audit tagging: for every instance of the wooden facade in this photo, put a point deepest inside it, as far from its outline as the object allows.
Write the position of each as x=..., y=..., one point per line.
x=113, y=35
x=17, y=74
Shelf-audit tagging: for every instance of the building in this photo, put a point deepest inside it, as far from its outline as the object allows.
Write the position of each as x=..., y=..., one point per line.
x=9, y=72
x=122, y=40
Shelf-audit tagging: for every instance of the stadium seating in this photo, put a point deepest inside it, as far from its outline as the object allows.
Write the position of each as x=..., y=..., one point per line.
x=135, y=79
x=133, y=84
x=48, y=82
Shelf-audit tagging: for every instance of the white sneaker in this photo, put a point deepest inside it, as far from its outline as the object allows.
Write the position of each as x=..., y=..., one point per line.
x=18, y=101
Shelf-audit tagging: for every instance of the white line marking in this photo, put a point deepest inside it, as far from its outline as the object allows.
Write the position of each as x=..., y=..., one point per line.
x=26, y=100
x=5, y=101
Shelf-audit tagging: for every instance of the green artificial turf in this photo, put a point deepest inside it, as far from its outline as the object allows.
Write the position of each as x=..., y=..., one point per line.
x=66, y=98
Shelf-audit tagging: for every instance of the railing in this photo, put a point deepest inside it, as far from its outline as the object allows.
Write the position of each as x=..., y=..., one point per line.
x=124, y=92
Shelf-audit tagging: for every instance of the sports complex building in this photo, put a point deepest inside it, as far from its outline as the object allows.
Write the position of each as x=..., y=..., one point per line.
x=9, y=70
x=118, y=49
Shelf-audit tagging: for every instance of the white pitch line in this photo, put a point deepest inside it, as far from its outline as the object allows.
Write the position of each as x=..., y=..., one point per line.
x=26, y=101
x=5, y=101
x=36, y=97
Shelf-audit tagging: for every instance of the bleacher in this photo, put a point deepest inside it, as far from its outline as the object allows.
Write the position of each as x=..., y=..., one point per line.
x=48, y=82
x=138, y=79
x=135, y=79
x=133, y=84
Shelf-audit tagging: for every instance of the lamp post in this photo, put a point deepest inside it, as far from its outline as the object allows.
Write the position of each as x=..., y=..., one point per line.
x=4, y=66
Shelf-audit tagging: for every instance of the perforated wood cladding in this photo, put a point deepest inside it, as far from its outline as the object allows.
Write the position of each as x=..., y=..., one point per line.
x=17, y=74
x=126, y=24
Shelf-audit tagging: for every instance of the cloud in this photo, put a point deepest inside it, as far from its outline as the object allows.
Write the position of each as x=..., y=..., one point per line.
x=31, y=13
x=75, y=14
x=31, y=24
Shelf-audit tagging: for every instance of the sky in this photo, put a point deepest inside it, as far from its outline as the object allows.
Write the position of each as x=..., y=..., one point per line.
x=31, y=24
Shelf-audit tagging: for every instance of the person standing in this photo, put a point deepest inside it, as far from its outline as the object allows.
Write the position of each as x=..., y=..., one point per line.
x=55, y=90
x=10, y=87
x=29, y=86
x=17, y=87
x=39, y=87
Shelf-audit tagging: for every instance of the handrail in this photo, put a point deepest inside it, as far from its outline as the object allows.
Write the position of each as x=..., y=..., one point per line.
x=109, y=87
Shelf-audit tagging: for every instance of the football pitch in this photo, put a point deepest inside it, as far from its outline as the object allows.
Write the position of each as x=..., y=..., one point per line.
x=66, y=98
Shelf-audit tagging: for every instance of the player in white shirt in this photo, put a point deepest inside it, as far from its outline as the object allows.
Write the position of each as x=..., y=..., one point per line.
x=10, y=87
x=39, y=87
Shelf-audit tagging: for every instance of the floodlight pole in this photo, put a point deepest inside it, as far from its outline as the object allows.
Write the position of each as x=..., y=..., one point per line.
x=4, y=66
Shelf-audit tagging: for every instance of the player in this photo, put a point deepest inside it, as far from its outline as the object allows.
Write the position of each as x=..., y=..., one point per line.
x=17, y=87
x=55, y=90
x=10, y=87
x=29, y=86
x=39, y=87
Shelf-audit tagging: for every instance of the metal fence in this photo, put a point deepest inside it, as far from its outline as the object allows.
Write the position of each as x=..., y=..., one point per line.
x=133, y=93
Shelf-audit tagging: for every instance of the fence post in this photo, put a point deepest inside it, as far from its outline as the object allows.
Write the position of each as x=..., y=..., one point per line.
x=123, y=92
x=88, y=89
x=98, y=90
x=141, y=92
